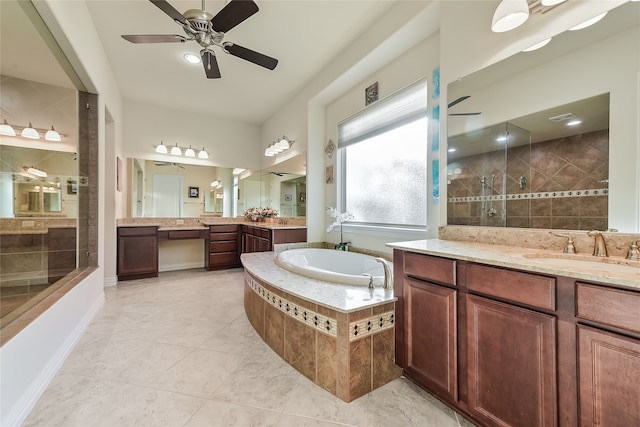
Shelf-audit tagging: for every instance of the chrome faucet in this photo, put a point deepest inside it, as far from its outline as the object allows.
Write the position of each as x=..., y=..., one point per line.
x=388, y=275
x=599, y=245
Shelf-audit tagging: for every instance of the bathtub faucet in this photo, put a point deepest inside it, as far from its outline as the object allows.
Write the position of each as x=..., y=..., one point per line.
x=388, y=275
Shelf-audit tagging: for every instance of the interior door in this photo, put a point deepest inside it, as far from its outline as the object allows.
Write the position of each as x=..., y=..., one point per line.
x=167, y=195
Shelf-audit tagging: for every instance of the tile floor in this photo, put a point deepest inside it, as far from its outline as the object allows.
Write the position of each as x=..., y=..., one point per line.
x=177, y=350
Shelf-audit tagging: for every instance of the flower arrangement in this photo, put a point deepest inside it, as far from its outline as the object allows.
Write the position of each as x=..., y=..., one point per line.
x=339, y=218
x=256, y=213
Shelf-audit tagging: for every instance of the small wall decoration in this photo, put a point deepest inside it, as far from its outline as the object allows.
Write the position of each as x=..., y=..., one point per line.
x=194, y=192
x=330, y=148
x=435, y=83
x=72, y=187
x=303, y=197
x=118, y=174
x=371, y=94
x=329, y=174
x=288, y=197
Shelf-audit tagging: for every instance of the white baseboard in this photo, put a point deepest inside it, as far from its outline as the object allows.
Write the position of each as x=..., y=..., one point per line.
x=110, y=281
x=181, y=266
x=28, y=400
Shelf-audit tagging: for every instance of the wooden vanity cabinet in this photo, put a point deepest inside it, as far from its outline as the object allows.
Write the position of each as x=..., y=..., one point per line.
x=137, y=252
x=262, y=239
x=223, y=246
x=608, y=355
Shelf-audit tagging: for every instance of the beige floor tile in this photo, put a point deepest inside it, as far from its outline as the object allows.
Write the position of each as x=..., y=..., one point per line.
x=178, y=350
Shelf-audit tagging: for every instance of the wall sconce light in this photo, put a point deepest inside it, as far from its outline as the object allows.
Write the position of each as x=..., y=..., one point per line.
x=277, y=147
x=161, y=148
x=30, y=132
x=6, y=129
x=178, y=151
x=509, y=14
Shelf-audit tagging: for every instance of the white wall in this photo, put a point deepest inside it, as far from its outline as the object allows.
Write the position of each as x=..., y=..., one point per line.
x=29, y=360
x=230, y=143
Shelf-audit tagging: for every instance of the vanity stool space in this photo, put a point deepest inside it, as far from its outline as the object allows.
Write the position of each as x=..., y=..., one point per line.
x=511, y=347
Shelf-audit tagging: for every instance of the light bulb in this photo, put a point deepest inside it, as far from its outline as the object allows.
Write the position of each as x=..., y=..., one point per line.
x=30, y=132
x=52, y=135
x=189, y=152
x=203, y=154
x=176, y=151
x=161, y=148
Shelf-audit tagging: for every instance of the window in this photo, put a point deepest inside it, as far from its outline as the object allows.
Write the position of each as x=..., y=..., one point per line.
x=383, y=167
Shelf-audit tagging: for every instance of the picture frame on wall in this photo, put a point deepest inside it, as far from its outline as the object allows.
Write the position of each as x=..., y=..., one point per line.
x=371, y=94
x=194, y=192
x=72, y=187
x=288, y=197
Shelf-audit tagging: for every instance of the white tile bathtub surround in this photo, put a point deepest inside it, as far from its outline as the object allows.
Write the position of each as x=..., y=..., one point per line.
x=617, y=243
x=343, y=298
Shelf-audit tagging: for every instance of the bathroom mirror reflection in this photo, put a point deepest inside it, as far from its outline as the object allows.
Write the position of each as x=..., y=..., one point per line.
x=222, y=192
x=545, y=173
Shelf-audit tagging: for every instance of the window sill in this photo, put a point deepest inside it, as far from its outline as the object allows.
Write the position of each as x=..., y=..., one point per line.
x=396, y=233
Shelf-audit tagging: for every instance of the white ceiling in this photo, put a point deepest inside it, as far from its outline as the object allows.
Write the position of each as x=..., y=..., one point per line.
x=304, y=35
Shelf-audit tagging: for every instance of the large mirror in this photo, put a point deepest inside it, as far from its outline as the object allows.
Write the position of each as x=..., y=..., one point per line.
x=517, y=156
x=173, y=189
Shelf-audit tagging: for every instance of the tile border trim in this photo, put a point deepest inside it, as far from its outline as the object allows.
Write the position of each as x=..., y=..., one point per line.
x=327, y=325
x=534, y=196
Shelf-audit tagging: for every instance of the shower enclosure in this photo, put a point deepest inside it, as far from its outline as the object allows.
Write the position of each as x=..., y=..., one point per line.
x=488, y=176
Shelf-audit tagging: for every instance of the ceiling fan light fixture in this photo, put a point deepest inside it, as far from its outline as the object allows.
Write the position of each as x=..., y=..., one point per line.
x=203, y=154
x=192, y=58
x=30, y=132
x=52, y=135
x=588, y=22
x=189, y=152
x=509, y=14
x=176, y=151
x=7, y=129
x=552, y=2
x=161, y=148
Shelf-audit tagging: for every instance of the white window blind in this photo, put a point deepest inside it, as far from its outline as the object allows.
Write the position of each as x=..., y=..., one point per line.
x=404, y=106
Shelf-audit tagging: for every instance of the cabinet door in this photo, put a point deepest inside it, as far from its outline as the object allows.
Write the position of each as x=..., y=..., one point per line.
x=430, y=328
x=511, y=364
x=137, y=255
x=609, y=378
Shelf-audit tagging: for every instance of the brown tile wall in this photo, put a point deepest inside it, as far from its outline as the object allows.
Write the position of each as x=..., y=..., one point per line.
x=348, y=369
x=574, y=163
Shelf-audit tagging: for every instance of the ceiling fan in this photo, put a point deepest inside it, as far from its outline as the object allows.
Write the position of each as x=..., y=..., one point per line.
x=457, y=101
x=157, y=163
x=209, y=30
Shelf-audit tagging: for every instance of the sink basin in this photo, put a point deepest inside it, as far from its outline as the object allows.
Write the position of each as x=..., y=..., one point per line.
x=578, y=259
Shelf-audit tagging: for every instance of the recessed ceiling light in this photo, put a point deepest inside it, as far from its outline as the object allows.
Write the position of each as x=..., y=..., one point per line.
x=574, y=122
x=192, y=58
x=588, y=22
x=451, y=150
x=502, y=138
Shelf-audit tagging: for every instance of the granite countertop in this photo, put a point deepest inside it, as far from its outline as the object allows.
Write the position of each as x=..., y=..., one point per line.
x=183, y=227
x=342, y=298
x=614, y=270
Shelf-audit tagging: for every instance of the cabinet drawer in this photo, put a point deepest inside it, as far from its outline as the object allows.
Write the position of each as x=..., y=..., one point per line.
x=137, y=231
x=223, y=258
x=516, y=286
x=433, y=269
x=186, y=234
x=223, y=236
x=609, y=306
x=223, y=246
x=226, y=228
x=263, y=232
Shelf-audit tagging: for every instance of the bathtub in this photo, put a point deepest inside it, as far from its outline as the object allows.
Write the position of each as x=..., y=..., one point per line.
x=348, y=268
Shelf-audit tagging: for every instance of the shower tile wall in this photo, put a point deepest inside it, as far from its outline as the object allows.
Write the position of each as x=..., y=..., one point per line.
x=566, y=185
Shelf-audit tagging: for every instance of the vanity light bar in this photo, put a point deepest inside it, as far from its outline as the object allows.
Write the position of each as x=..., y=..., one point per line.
x=181, y=151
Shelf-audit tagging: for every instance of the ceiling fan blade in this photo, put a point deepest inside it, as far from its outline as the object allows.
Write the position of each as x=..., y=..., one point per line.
x=210, y=63
x=232, y=14
x=170, y=10
x=154, y=38
x=464, y=114
x=457, y=101
x=250, y=55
